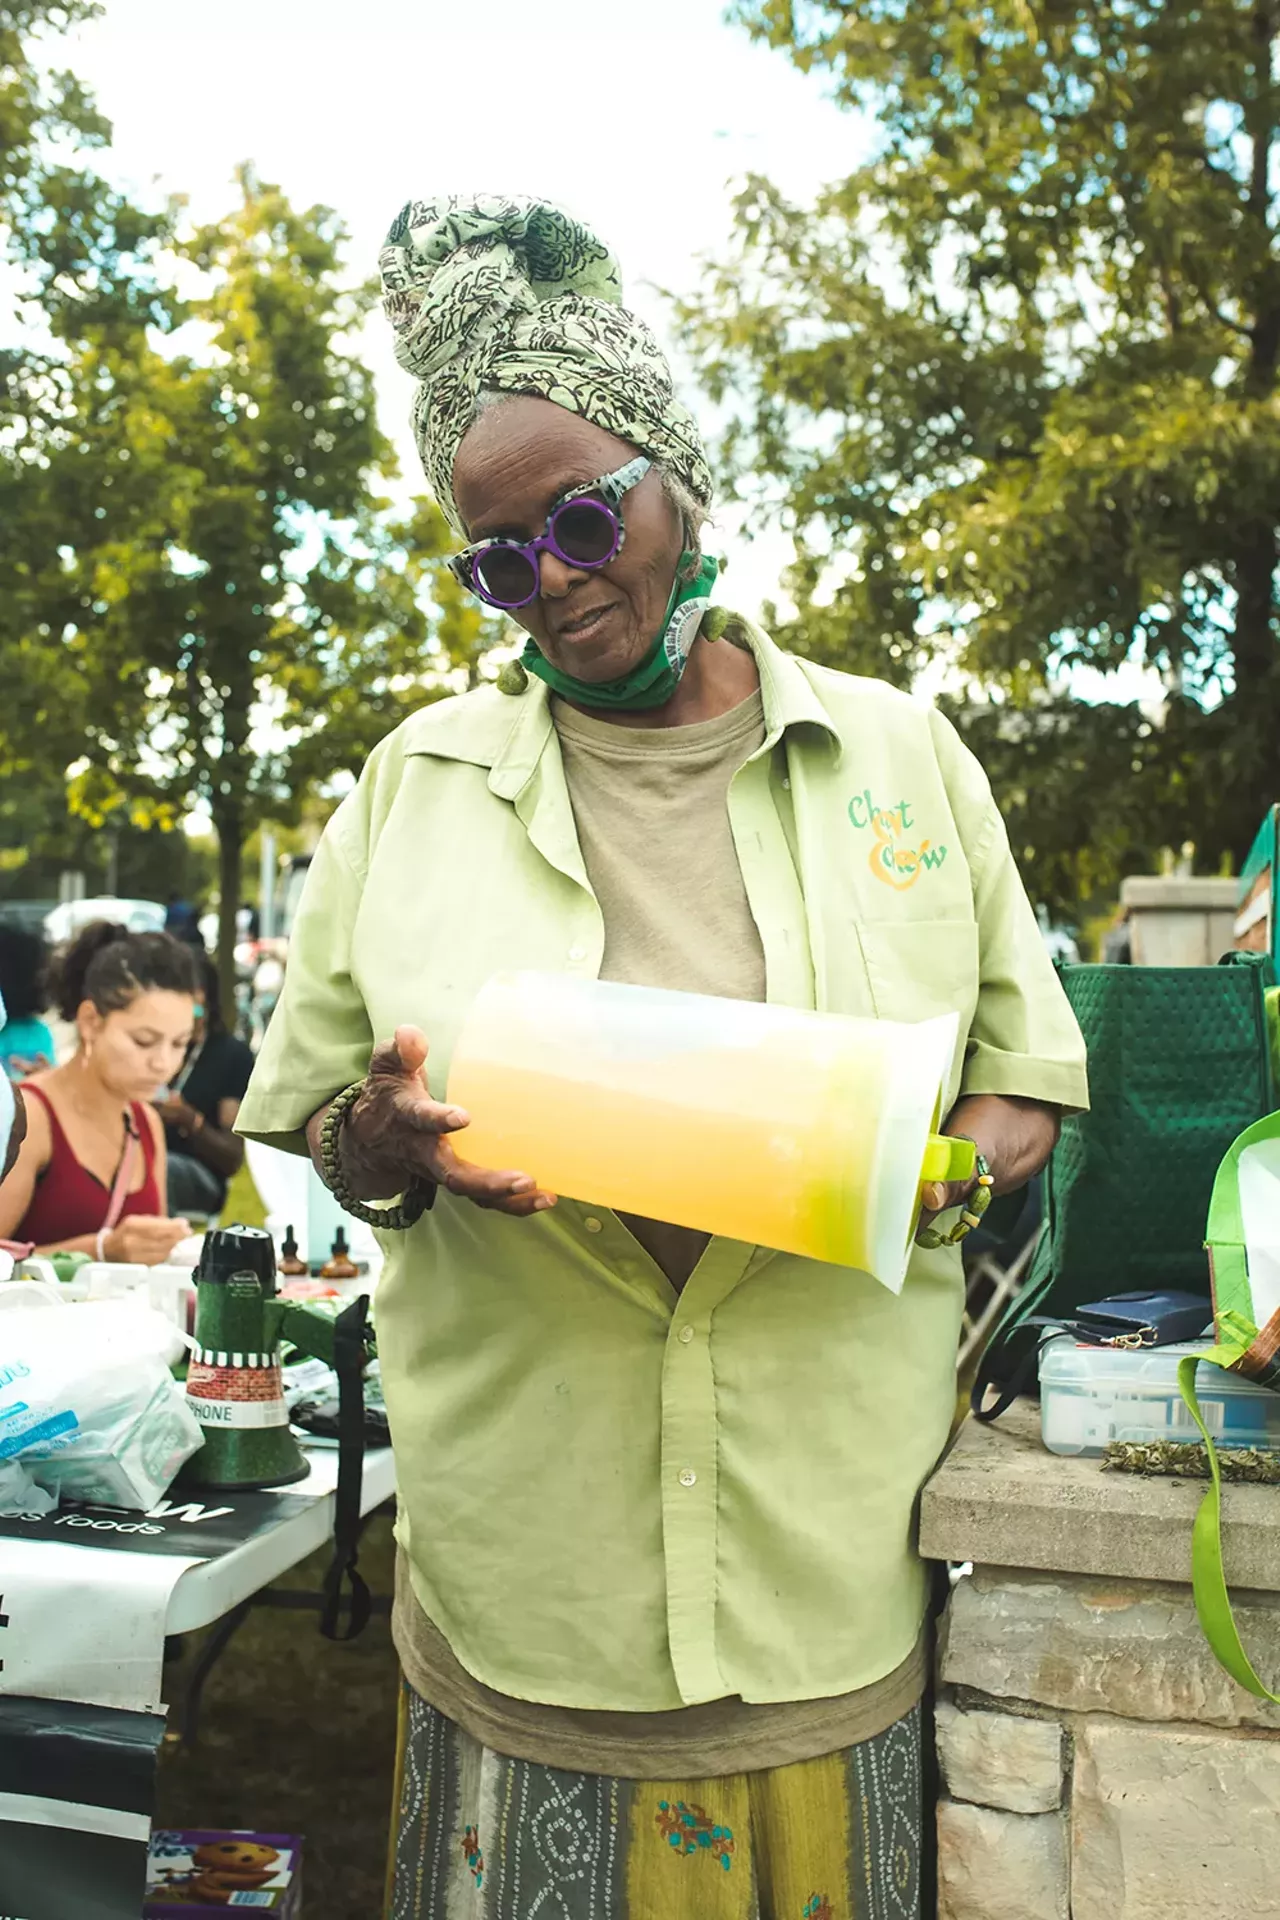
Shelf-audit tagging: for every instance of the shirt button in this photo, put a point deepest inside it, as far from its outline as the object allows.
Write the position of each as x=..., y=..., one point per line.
x=577, y=953
x=593, y=1225
x=685, y=1334
x=787, y=785
x=688, y=1478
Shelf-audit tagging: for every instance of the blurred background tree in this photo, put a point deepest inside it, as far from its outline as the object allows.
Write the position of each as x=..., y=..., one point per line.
x=1013, y=384
x=208, y=603
x=74, y=256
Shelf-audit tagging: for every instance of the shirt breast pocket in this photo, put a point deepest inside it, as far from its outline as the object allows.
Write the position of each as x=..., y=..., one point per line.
x=919, y=969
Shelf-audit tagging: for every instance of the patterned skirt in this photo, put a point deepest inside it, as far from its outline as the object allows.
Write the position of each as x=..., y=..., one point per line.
x=484, y=1837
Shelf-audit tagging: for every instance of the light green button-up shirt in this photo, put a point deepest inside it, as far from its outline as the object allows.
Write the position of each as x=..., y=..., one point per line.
x=611, y=1495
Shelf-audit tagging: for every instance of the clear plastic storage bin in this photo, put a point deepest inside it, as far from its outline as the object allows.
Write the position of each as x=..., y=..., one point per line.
x=1090, y=1396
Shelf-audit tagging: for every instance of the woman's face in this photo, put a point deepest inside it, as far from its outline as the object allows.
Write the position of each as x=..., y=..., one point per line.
x=515, y=463
x=138, y=1049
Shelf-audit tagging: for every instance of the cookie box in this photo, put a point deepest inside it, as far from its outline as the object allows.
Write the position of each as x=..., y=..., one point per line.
x=200, y=1872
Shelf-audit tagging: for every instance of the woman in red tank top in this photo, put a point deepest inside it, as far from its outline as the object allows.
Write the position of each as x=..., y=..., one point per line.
x=90, y=1125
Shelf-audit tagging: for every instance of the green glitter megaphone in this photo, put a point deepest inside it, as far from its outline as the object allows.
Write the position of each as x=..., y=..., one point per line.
x=233, y=1383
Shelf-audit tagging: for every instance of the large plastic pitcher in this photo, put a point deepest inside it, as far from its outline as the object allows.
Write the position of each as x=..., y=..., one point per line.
x=810, y=1133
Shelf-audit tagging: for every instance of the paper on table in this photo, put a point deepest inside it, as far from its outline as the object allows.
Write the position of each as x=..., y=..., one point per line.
x=1259, y=1186
x=86, y=1627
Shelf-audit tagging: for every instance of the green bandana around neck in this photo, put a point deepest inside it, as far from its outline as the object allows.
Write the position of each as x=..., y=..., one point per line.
x=653, y=680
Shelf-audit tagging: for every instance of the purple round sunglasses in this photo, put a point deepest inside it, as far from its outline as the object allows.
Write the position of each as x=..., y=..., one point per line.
x=584, y=530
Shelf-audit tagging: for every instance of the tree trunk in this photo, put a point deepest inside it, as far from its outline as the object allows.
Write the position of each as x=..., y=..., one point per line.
x=229, y=827
x=1253, y=768
x=1254, y=744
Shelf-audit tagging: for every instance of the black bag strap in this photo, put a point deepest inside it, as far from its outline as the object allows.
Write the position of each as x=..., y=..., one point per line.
x=1024, y=1365
x=1023, y=1370
x=349, y=1334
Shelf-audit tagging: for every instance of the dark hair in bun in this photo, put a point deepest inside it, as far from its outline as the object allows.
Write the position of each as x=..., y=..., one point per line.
x=111, y=966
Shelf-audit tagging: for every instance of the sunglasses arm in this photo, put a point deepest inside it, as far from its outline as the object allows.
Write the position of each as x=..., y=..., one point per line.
x=613, y=485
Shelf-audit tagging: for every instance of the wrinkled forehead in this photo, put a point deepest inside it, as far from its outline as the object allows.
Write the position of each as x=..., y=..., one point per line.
x=520, y=456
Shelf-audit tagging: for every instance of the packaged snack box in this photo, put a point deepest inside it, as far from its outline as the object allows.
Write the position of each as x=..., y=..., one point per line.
x=209, y=1873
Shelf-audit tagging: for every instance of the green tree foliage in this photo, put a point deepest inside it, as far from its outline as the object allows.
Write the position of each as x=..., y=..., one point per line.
x=251, y=616
x=206, y=601
x=72, y=258
x=1014, y=381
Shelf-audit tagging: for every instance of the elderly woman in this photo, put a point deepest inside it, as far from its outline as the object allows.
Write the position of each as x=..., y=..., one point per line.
x=660, y=1613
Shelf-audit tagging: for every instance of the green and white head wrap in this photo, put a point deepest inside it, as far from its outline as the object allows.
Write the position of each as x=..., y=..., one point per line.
x=490, y=294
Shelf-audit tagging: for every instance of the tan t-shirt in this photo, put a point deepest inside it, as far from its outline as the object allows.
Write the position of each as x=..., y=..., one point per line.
x=651, y=809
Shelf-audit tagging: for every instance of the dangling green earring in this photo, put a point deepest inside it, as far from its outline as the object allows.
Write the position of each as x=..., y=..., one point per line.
x=512, y=678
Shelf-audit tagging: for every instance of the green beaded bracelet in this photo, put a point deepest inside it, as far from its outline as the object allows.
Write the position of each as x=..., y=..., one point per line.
x=419, y=1196
x=974, y=1205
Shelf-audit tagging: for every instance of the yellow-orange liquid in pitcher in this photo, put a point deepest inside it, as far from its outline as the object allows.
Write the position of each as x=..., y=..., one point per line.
x=769, y=1155
x=800, y=1131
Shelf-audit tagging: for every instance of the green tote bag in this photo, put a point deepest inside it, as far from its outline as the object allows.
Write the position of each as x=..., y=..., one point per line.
x=1180, y=1062
x=1244, y=1252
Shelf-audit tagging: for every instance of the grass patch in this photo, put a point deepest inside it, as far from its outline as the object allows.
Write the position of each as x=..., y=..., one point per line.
x=298, y=1736
x=243, y=1204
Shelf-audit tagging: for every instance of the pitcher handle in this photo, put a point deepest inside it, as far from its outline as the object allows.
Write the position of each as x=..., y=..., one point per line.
x=948, y=1159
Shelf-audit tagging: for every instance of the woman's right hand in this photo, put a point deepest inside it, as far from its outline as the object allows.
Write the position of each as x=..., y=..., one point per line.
x=144, y=1239
x=394, y=1133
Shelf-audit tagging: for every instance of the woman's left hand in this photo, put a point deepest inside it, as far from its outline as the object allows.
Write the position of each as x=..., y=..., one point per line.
x=1014, y=1136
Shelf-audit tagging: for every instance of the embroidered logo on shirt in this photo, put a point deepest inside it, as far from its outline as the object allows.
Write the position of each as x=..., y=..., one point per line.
x=898, y=857
x=818, y=1907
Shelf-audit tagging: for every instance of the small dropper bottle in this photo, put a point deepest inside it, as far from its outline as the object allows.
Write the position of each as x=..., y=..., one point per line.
x=289, y=1261
x=339, y=1265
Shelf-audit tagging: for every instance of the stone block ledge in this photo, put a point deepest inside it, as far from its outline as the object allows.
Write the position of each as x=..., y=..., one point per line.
x=1000, y=1498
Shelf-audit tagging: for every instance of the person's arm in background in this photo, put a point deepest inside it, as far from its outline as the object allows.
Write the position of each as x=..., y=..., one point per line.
x=17, y=1133
x=13, y=1112
x=15, y=1192
x=215, y=1146
x=30, y=1162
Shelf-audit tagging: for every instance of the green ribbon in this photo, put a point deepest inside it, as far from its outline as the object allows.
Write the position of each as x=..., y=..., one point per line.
x=1208, y=1574
x=654, y=679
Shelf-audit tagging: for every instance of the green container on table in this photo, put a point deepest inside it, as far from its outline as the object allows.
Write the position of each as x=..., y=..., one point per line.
x=234, y=1387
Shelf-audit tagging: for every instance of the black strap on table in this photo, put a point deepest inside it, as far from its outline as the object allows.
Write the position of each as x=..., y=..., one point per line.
x=1011, y=1372
x=348, y=1361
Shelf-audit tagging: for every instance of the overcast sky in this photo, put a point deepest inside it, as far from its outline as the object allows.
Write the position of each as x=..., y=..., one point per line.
x=638, y=117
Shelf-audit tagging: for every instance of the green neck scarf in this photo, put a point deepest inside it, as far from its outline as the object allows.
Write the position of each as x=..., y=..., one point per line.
x=653, y=680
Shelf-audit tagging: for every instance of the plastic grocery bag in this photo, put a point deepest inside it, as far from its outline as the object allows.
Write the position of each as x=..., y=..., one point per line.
x=88, y=1407
x=19, y=1492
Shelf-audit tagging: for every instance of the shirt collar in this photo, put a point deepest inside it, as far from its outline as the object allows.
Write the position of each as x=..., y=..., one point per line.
x=791, y=698
x=508, y=735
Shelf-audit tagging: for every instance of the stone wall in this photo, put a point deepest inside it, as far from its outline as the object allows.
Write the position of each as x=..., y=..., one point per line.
x=1097, y=1763
x=1180, y=922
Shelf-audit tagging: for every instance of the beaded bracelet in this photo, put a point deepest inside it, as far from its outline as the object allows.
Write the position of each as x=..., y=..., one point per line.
x=975, y=1204
x=419, y=1195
